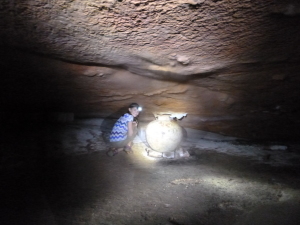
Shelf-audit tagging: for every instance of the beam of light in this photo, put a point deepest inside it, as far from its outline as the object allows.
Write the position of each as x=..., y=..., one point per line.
x=150, y=157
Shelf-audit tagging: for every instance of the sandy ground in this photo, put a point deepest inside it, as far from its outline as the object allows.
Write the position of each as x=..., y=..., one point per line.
x=61, y=175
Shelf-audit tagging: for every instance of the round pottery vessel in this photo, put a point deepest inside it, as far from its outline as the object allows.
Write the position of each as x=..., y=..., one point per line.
x=164, y=134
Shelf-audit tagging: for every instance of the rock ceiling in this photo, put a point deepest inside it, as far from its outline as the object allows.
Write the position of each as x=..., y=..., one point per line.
x=231, y=65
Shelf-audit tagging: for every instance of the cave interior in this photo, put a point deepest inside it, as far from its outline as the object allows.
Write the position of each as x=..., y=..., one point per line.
x=69, y=70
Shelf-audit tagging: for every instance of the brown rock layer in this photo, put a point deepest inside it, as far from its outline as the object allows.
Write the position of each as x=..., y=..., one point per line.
x=232, y=66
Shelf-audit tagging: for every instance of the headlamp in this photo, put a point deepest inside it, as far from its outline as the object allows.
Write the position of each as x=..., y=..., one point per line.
x=140, y=108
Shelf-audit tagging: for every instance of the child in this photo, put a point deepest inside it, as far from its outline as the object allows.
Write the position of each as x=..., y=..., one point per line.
x=124, y=131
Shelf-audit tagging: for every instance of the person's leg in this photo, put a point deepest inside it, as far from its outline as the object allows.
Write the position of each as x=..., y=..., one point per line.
x=128, y=142
x=125, y=145
x=115, y=148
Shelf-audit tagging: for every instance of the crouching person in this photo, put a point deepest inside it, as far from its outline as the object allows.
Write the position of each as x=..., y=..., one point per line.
x=124, y=131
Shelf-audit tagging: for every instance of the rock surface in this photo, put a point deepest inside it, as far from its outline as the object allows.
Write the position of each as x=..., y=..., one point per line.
x=232, y=66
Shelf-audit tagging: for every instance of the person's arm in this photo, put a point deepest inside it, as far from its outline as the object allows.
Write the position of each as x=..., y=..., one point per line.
x=130, y=128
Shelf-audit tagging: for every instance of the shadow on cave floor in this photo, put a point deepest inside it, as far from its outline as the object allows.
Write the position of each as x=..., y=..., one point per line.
x=85, y=186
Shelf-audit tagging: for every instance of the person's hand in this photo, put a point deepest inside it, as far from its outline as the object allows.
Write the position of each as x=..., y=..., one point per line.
x=135, y=123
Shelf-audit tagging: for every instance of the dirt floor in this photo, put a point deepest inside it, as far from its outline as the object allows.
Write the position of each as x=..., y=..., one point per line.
x=207, y=188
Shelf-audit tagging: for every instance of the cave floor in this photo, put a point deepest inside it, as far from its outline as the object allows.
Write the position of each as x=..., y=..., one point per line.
x=207, y=188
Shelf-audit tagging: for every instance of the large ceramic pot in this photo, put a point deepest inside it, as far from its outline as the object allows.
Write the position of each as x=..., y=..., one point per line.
x=164, y=134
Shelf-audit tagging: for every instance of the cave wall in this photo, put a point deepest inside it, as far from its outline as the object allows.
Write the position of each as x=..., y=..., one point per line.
x=231, y=65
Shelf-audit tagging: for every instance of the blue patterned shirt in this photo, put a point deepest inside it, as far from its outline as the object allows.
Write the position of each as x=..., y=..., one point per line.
x=120, y=129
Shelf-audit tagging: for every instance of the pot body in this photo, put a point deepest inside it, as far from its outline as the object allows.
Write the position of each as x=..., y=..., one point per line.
x=164, y=134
